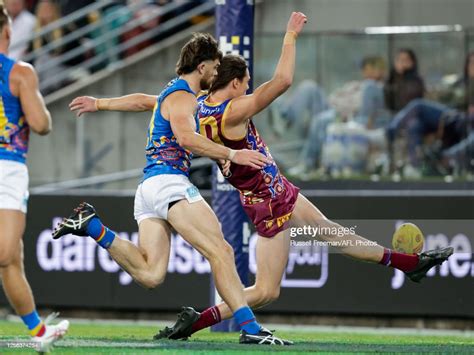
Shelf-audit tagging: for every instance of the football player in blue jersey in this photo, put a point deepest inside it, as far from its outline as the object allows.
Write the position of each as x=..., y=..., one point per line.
x=21, y=109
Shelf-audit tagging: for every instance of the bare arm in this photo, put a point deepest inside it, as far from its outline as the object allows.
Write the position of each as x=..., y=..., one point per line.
x=179, y=107
x=32, y=103
x=133, y=102
x=246, y=106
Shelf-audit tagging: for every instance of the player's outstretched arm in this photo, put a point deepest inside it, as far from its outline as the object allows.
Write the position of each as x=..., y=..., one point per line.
x=246, y=106
x=133, y=103
x=32, y=103
x=180, y=108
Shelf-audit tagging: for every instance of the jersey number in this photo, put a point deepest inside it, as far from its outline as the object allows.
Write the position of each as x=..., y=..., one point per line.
x=208, y=128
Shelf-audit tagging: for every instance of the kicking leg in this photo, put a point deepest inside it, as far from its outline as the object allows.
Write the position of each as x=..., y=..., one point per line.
x=415, y=266
x=306, y=214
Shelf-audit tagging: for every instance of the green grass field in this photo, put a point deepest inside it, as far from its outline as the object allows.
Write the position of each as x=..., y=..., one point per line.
x=94, y=338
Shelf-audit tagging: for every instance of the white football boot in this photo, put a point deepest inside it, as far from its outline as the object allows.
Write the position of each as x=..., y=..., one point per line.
x=52, y=334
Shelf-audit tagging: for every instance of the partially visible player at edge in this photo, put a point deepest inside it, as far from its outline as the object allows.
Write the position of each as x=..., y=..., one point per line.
x=166, y=198
x=21, y=108
x=273, y=203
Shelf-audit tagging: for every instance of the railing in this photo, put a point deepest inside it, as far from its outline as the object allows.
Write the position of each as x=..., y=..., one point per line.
x=103, y=43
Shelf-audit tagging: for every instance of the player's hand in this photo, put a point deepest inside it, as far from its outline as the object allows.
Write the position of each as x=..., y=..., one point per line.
x=225, y=167
x=296, y=22
x=83, y=104
x=250, y=158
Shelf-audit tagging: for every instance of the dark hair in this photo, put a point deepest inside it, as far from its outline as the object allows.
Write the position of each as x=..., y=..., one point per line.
x=201, y=47
x=4, y=18
x=232, y=67
x=413, y=58
x=411, y=73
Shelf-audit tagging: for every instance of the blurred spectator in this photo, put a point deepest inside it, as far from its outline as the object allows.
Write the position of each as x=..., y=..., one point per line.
x=46, y=62
x=421, y=118
x=460, y=155
x=469, y=82
x=46, y=13
x=68, y=7
x=361, y=101
x=404, y=83
x=23, y=24
x=113, y=17
x=308, y=99
x=149, y=13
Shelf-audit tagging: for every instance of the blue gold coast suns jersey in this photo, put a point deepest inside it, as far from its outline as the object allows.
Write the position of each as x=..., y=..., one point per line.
x=14, y=130
x=163, y=153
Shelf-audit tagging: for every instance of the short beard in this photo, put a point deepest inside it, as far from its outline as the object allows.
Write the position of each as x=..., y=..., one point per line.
x=205, y=83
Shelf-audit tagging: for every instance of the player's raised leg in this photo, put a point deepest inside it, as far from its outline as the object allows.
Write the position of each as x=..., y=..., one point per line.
x=415, y=266
x=272, y=256
x=147, y=263
x=307, y=214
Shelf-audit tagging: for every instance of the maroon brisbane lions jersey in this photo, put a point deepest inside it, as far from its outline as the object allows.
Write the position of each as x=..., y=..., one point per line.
x=268, y=197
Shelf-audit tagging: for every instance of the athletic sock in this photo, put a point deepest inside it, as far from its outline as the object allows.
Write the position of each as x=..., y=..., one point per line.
x=100, y=233
x=246, y=320
x=208, y=318
x=403, y=262
x=34, y=323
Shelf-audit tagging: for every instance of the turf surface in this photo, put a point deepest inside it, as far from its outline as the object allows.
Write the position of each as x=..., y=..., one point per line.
x=96, y=338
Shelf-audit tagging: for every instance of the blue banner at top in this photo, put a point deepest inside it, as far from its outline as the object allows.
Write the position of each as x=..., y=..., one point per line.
x=234, y=29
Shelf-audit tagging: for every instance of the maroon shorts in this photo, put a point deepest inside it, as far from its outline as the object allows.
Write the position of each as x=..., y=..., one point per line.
x=272, y=215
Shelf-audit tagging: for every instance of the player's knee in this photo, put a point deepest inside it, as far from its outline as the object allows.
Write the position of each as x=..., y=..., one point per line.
x=151, y=282
x=272, y=295
x=267, y=295
x=221, y=251
x=227, y=251
x=10, y=252
x=6, y=257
